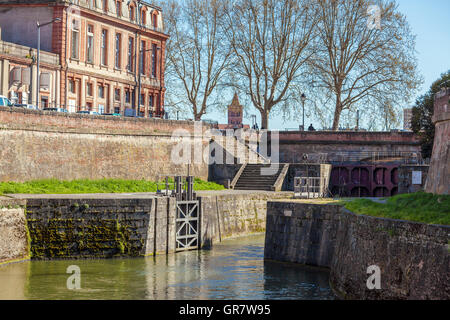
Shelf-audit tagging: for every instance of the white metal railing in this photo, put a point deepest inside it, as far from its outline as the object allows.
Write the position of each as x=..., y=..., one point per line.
x=310, y=187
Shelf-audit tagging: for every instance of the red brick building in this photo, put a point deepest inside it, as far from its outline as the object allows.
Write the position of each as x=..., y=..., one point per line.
x=111, y=52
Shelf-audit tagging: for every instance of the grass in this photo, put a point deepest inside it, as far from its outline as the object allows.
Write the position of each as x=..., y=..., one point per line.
x=53, y=186
x=419, y=207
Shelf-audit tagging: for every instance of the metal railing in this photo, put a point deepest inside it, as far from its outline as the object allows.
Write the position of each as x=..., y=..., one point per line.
x=310, y=187
x=377, y=156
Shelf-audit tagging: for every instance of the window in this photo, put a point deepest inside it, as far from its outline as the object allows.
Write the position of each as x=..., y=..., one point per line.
x=116, y=110
x=154, y=59
x=142, y=57
x=143, y=17
x=142, y=101
x=71, y=86
x=101, y=108
x=89, y=106
x=117, y=94
x=44, y=102
x=89, y=89
x=119, y=8
x=105, y=5
x=90, y=44
x=151, y=102
x=104, y=47
x=75, y=39
x=92, y=4
x=127, y=96
x=155, y=21
x=118, y=46
x=101, y=91
x=130, y=53
x=132, y=13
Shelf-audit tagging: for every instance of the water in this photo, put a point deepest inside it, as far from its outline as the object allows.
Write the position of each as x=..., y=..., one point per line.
x=234, y=269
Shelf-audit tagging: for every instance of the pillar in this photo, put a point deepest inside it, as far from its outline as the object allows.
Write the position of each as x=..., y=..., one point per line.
x=5, y=78
x=32, y=94
x=1, y=73
x=82, y=93
x=58, y=89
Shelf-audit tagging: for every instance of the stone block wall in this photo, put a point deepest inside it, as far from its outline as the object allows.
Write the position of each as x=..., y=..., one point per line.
x=240, y=214
x=304, y=234
x=13, y=231
x=108, y=226
x=99, y=228
x=413, y=258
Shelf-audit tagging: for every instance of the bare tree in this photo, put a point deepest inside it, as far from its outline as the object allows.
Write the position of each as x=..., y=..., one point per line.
x=365, y=58
x=270, y=41
x=196, y=57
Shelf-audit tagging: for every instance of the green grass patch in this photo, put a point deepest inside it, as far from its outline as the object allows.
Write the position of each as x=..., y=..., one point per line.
x=53, y=186
x=418, y=207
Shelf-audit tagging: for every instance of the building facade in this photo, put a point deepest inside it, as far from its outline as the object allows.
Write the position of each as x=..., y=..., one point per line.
x=111, y=53
x=18, y=70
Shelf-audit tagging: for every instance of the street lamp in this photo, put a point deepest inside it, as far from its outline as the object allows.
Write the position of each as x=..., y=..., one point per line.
x=39, y=26
x=141, y=56
x=303, y=97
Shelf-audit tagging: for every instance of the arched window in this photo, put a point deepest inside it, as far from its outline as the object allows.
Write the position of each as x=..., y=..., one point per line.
x=132, y=12
x=155, y=19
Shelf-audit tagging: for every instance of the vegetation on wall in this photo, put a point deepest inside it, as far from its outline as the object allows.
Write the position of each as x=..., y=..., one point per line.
x=53, y=186
x=419, y=207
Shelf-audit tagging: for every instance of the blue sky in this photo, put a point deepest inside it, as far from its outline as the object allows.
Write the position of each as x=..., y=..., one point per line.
x=429, y=21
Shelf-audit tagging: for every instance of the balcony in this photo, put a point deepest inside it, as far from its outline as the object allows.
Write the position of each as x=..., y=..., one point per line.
x=15, y=50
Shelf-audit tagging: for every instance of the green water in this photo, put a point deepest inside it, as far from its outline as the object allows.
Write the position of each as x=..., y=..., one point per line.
x=233, y=269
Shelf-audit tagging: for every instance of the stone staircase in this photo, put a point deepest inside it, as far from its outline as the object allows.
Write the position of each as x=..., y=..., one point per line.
x=241, y=151
x=252, y=179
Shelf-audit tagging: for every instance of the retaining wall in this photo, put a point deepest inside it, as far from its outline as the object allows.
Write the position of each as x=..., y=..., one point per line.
x=43, y=145
x=107, y=226
x=413, y=257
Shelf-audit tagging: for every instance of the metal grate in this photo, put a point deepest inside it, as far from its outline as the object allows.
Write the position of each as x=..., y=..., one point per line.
x=187, y=223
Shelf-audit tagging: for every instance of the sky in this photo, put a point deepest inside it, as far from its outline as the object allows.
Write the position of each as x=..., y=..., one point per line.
x=429, y=21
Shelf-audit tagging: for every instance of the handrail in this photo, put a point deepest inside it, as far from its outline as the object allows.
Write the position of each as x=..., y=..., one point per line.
x=279, y=182
x=237, y=176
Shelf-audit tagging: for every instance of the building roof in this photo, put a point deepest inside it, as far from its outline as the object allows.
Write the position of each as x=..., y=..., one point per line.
x=235, y=102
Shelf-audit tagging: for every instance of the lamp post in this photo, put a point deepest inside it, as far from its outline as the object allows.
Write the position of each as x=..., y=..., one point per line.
x=141, y=55
x=39, y=26
x=303, y=97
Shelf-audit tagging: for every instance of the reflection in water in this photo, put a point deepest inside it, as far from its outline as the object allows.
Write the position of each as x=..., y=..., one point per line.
x=232, y=270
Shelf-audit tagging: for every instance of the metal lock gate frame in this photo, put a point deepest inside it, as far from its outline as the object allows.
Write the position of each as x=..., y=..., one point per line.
x=187, y=225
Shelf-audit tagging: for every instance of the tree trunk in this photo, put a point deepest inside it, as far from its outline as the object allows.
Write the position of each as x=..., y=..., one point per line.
x=264, y=120
x=337, y=115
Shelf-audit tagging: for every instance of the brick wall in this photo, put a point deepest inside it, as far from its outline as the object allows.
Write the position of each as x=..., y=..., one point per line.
x=293, y=145
x=40, y=145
